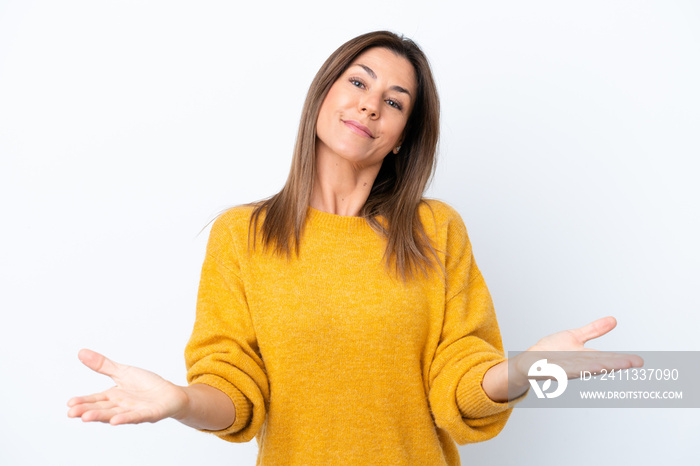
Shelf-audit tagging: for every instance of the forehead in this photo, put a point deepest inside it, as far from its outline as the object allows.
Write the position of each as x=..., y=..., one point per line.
x=388, y=66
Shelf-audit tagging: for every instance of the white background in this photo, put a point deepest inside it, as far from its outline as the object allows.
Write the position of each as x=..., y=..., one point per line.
x=569, y=145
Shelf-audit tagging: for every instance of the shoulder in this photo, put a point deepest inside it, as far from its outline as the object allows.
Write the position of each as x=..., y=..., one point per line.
x=233, y=223
x=440, y=209
x=439, y=218
x=235, y=216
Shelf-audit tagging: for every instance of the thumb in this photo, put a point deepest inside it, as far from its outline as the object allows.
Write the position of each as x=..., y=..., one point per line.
x=98, y=362
x=596, y=328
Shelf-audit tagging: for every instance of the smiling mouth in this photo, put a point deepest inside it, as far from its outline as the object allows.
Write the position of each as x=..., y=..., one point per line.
x=359, y=129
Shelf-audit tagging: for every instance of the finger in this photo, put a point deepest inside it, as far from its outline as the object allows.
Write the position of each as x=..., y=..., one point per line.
x=101, y=415
x=622, y=360
x=98, y=362
x=595, y=329
x=79, y=410
x=593, y=361
x=132, y=417
x=601, y=361
x=637, y=361
x=87, y=399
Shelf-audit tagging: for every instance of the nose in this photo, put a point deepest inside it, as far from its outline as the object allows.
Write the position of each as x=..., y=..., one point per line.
x=370, y=105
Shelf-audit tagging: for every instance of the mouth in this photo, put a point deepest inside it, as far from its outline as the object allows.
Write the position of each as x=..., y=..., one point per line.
x=358, y=128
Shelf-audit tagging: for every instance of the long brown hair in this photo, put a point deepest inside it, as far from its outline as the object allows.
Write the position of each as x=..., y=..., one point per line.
x=402, y=179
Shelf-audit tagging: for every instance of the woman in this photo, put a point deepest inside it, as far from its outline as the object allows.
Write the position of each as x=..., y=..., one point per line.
x=344, y=320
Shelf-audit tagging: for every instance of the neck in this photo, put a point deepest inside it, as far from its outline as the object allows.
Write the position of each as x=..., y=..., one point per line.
x=341, y=187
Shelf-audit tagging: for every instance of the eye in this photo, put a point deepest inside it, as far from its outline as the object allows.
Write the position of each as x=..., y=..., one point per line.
x=357, y=82
x=394, y=103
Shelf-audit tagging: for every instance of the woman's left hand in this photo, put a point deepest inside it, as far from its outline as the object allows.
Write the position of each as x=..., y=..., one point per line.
x=566, y=349
x=510, y=379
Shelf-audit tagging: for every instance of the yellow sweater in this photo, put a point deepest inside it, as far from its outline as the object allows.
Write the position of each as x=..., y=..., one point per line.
x=331, y=360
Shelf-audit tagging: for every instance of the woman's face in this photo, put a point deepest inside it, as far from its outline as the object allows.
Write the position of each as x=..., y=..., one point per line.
x=365, y=112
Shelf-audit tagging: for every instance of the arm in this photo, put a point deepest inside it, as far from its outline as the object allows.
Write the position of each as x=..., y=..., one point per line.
x=142, y=396
x=208, y=408
x=223, y=351
x=470, y=344
x=228, y=386
x=495, y=383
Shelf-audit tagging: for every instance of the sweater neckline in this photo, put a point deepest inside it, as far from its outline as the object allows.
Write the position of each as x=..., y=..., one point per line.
x=328, y=219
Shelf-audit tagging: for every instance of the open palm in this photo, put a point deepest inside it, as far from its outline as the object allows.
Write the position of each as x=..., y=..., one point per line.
x=138, y=396
x=566, y=349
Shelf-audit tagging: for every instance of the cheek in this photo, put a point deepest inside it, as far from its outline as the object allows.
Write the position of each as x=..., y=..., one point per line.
x=338, y=98
x=324, y=119
x=328, y=106
x=397, y=129
x=334, y=105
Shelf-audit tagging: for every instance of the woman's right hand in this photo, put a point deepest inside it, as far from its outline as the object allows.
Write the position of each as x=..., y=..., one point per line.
x=138, y=396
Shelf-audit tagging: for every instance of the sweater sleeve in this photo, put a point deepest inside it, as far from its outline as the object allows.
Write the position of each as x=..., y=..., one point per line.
x=470, y=344
x=222, y=351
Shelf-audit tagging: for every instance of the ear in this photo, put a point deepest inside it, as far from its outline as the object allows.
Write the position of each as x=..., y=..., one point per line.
x=397, y=148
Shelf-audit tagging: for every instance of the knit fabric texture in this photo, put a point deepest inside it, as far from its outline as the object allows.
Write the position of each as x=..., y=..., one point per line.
x=331, y=359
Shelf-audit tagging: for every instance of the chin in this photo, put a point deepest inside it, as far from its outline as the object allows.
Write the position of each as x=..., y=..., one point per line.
x=350, y=153
x=364, y=161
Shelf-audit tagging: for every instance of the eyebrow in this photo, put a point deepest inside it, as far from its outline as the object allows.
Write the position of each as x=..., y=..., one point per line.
x=373, y=75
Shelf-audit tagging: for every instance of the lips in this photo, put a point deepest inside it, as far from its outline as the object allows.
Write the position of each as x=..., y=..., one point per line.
x=358, y=128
